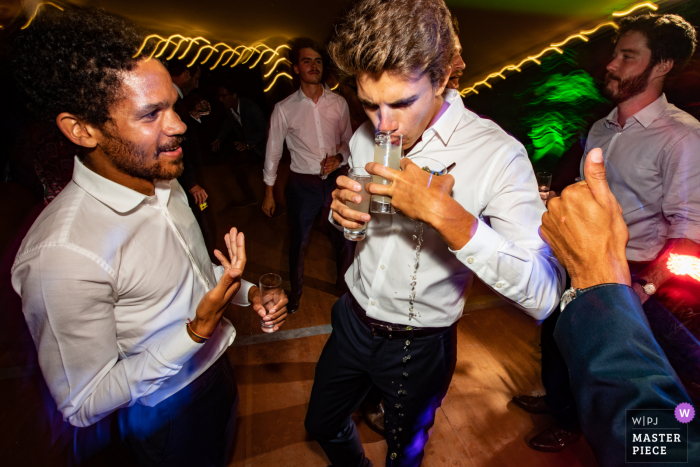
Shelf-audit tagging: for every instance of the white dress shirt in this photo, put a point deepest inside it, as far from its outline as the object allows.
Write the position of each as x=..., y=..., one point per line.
x=310, y=129
x=237, y=113
x=653, y=169
x=495, y=182
x=108, y=278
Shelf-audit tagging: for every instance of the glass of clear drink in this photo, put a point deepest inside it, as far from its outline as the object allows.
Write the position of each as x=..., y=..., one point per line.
x=544, y=183
x=362, y=177
x=387, y=151
x=270, y=295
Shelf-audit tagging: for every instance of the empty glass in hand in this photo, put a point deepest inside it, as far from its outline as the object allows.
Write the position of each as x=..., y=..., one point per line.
x=362, y=177
x=270, y=295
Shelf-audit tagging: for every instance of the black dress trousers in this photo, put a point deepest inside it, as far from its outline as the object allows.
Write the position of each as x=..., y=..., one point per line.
x=412, y=374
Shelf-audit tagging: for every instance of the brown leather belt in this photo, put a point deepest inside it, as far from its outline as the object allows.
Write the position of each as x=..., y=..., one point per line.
x=391, y=330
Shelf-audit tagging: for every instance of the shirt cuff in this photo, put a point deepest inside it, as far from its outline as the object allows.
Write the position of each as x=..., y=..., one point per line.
x=199, y=120
x=241, y=297
x=478, y=251
x=177, y=349
x=687, y=230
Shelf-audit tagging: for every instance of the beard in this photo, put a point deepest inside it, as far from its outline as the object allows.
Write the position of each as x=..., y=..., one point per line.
x=135, y=161
x=627, y=88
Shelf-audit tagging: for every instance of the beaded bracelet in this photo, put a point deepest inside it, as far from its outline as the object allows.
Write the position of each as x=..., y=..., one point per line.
x=195, y=334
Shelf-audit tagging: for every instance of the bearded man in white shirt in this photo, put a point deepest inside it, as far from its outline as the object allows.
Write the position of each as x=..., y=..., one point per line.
x=122, y=301
x=315, y=124
x=396, y=327
x=651, y=156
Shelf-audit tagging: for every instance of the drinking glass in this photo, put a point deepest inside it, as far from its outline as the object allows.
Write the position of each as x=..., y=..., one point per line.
x=326, y=153
x=544, y=182
x=362, y=177
x=205, y=108
x=270, y=294
x=387, y=151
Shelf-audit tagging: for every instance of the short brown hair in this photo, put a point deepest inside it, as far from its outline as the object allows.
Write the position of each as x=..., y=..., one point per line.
x=401, y=36
x=669, y=37
x=299, y=43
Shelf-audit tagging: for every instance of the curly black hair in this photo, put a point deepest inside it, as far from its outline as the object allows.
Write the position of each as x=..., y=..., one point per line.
x=71, y=60
x=669, y=37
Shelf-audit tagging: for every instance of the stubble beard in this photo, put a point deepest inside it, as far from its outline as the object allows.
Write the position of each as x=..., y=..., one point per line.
x=127, y=157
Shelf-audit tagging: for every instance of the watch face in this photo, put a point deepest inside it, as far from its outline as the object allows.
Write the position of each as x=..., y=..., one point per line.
x=650, y=289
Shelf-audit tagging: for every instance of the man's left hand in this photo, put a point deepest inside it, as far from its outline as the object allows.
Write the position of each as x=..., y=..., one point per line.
x=241, y=146
x=199, y=194
x=425, y=197
x=278, y=317
x=332, y=163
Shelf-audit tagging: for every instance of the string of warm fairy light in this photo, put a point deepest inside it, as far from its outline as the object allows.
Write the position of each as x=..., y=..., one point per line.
x=581, y=35
x=684, y=265
x=242, y=54
x=36, y=10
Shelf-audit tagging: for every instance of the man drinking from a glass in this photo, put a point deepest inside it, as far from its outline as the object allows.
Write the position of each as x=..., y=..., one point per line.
x=395, y=329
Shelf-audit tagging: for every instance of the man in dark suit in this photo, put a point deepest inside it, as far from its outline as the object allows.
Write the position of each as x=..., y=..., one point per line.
x=614, y=362
x=189, y=108
x=249, y=126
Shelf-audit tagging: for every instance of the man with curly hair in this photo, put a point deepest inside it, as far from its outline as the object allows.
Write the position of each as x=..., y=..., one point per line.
x=122, y=301
x=396, y=328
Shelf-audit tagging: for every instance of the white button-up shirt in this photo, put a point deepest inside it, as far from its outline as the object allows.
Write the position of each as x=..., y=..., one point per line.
x=108, y=278
x=495, y=182
x=310, y=130
x=653, y=169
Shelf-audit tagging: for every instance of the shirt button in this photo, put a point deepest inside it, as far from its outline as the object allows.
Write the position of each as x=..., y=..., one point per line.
x=396, y=231
x=382, y=266
x=470, y=260
x=499, y=285
x=373, y=303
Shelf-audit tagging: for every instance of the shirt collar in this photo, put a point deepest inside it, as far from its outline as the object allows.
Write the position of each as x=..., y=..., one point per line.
x=645, y=116
x=448, y=121
x=111, y=194
x=301, y=96
x=652, y=111
x=179, y=91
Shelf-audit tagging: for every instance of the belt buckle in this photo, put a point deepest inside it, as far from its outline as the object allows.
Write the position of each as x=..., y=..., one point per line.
x=382, y=327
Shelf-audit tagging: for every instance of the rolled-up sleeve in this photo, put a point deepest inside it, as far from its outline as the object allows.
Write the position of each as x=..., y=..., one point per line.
x=506, y=251
x=275, y=145
x=681, y=179
x=68, y=299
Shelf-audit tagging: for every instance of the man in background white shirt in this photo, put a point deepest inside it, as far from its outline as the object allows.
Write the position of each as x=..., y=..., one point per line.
x=396, y=326
x=314, y=123
x=120, y=296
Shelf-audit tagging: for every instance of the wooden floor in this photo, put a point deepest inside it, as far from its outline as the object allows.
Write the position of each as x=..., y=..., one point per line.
x=477, y=425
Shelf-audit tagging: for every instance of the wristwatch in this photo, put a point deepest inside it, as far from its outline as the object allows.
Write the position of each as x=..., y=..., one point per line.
x=649, y=288
x=571, y=293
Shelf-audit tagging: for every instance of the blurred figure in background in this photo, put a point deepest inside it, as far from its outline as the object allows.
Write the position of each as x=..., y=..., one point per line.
x=249, y=126
x=189, y=109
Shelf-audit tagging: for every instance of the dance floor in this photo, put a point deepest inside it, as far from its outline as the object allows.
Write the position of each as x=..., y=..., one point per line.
x=477, y=425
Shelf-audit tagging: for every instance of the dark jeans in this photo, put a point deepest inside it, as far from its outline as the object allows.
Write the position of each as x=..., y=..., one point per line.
x=194, y=426
x=240, y=165
x=351, y=362
x=307, y=196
